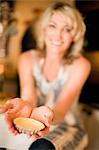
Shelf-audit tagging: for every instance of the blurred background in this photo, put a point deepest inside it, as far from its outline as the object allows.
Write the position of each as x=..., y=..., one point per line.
x=18, y=19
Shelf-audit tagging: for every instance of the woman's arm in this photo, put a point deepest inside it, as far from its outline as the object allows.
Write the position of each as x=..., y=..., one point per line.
x=23, y=106
x=78, y=75
x=27, y=85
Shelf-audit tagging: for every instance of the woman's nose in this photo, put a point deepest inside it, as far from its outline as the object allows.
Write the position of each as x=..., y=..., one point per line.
x=58, y=35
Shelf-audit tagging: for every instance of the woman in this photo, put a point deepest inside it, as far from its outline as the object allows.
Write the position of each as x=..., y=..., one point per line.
x=51, y=77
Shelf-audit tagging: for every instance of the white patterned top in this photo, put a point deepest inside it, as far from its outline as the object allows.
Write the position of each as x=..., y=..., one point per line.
x=48, y=91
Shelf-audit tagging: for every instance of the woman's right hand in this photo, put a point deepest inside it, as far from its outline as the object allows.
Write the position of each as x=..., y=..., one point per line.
x=15, y=108
x=45, y=115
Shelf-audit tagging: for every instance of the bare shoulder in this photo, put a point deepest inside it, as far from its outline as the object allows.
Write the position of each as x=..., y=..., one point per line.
x=80, y=63
x=78, y=73
x=28, y=56
x=81, y=66
x=83, y=63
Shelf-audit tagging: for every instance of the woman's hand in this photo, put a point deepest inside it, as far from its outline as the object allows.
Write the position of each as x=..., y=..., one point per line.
x=45, y=115
x=15, y=108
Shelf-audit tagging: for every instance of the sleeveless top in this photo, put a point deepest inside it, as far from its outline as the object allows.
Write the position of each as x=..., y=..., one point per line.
x=48, y=92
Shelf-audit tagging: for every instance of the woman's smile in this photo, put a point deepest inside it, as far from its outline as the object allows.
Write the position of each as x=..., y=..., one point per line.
x=55, y=43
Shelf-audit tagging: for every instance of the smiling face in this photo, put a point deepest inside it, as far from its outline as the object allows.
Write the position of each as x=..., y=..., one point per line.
x=58, y=37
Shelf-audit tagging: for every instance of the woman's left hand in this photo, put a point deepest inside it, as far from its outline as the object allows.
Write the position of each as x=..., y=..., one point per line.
x=45, y=115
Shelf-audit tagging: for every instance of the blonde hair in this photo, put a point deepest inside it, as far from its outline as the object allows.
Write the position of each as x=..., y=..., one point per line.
x=73, y=17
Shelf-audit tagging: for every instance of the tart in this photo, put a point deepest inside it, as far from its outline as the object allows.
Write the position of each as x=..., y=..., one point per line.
x=28, y=125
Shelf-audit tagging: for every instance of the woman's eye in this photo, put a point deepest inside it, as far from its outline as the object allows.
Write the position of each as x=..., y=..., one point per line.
x=51, y=25
x=67, y=29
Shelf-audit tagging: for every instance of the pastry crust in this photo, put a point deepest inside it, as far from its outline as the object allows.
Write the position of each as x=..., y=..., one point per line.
x=28, y=125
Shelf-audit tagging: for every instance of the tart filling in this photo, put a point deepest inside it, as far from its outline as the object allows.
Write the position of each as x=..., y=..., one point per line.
x=28, y=125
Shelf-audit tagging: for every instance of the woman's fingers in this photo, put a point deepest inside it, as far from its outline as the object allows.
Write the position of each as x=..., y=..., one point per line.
x=39, y=134
x=33, y=136
x=5, y=107
x=43, y=132
x=9, y=122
